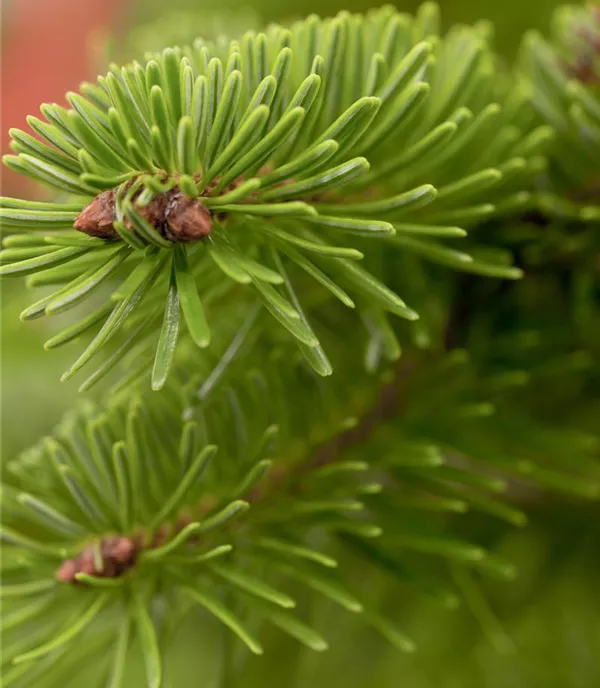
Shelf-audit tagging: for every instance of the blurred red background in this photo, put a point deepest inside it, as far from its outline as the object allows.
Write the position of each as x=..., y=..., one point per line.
x=45, y=53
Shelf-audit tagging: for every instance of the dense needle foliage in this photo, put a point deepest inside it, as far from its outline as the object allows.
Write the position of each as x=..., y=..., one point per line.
x=236, y=225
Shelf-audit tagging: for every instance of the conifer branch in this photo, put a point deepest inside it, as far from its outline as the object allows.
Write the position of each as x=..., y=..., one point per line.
x=203, y=165
x=272, y=200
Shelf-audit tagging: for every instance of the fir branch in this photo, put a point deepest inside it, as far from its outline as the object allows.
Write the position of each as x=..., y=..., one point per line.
x=370, y=480
x=200, y=156
x=238, y=184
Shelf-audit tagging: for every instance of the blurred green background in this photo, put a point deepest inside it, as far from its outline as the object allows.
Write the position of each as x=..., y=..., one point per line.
x=511, y=18
x=547, y=631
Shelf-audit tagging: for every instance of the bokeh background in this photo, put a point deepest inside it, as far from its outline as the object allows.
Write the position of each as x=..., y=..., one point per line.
x=547, y=630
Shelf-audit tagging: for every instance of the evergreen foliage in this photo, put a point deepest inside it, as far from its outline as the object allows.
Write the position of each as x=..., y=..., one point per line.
x=565, y=76
x=259, y=147
x=234, y=222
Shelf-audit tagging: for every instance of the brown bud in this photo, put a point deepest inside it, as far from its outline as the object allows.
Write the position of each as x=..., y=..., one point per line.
x=118, y=555
x=173, y=215
x=186, y=219
x=153, y=212
x=121, y=549
x=66, y=571
x=96, y=219
x=86, y=563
